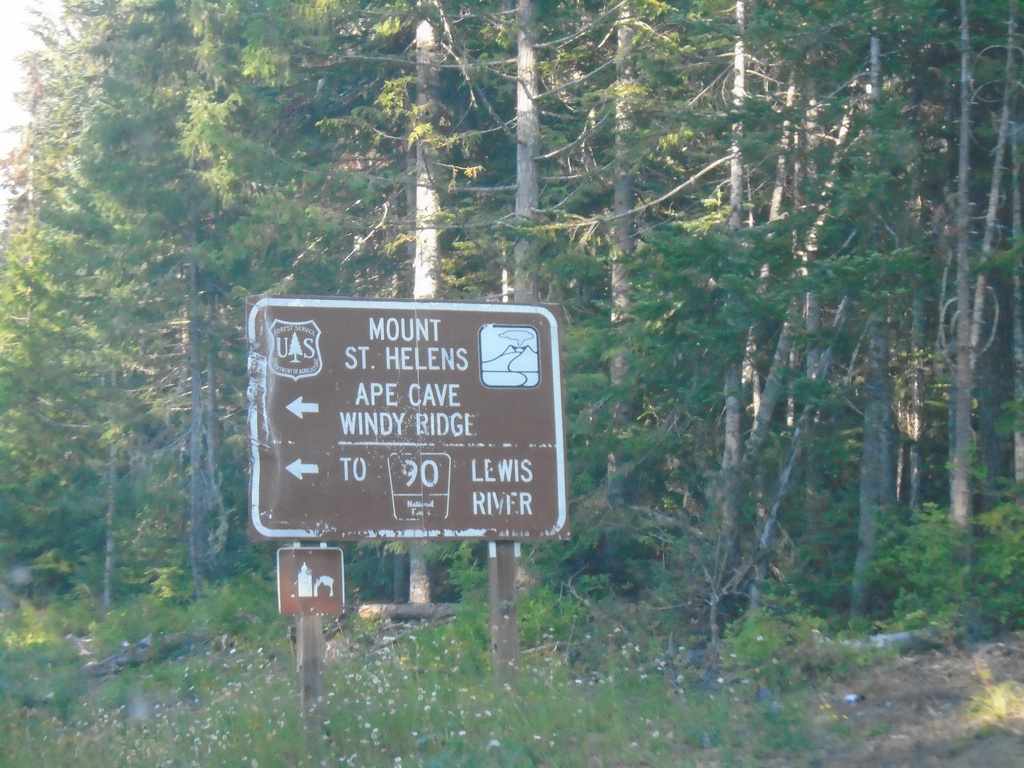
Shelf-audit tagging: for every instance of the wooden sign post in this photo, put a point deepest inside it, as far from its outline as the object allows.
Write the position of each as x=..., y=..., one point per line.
x=309, y=656
x=504, y=613
x=310, y=584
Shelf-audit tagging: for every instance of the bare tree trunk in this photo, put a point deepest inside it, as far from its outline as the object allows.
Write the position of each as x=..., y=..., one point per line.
x=622, y=203
x=1005, y=137
x=1002, y=136
x=739, y=95
x=875, y=456
x=751, y=377
x=773, y=389
x=875, y=441
x=108, y=560
x=729, y=481
x=971, y=303
x=527, y=143
x=198, y=500
x=778, y=190
x=427, y=262
x=622, y=233
x=1018, y=311
x=419, y=573
x=729, y=500
x=963, y=378
x=917, y=332
x=211, y=433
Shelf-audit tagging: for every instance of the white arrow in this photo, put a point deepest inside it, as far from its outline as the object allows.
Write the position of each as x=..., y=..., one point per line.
x=298, y=407
x=299, y=469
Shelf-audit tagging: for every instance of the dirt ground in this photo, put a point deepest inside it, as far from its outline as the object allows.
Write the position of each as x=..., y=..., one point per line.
x=928, y=710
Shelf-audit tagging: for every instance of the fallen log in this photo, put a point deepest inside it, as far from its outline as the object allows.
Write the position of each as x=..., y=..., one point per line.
x=133, y=654
x=407, y=611
x=913, y=640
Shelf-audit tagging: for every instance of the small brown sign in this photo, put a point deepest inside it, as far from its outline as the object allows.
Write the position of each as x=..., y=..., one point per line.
x=310, y=581
x=374, y=419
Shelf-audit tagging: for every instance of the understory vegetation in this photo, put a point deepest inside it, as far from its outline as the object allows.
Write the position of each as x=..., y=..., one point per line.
x=609, y=680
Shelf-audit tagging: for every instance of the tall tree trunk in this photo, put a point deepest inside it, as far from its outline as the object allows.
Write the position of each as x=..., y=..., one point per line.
x=739, y=95
x=1002, y=136
x=751, y=378
x=917, y=340
x=211, y=433
x=527, y=143
x=875, y=457
x=989, y=410
x=730, y=480
x=108, y=559
x=427, y=264
x=876, y=442
x=779, y=188
x=622, y=231
x=428, y=261
x=1018, y=311
x=622, y=203
x=963, y=378
x=729, y=491
x=198, y=501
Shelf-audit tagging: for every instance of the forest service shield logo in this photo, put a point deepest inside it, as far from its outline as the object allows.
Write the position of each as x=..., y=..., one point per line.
x=295, y=348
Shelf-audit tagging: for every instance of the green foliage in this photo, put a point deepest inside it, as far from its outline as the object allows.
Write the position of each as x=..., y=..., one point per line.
x=997, y=568
x=240, y=609
x=43, y=676
x=951, y=578
x=412, y=696
x=546, y=616
x=785, y=652
x=467, y=572
x=928, y=560
x=142, y=616
x=460, y=644
x=38, y=670
x=73, y=614
x=236, y=610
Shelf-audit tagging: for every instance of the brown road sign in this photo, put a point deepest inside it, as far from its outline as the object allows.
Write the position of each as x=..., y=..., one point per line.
x=396, y=419
x=310, y=581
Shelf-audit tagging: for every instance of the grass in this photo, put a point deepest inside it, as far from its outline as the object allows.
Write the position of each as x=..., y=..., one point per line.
x=423, y=697
x=997, y=703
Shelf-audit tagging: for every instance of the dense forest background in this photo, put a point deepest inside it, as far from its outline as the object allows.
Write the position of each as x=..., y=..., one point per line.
x=785, y=238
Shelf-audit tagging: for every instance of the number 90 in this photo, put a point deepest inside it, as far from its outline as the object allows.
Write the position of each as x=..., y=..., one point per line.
x=422, y=470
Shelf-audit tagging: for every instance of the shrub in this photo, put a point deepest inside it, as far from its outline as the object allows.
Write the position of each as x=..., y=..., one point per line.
x=998, y=567
x=38, y=670
x=925, y=563
x=242, y=609
x=782, y=652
